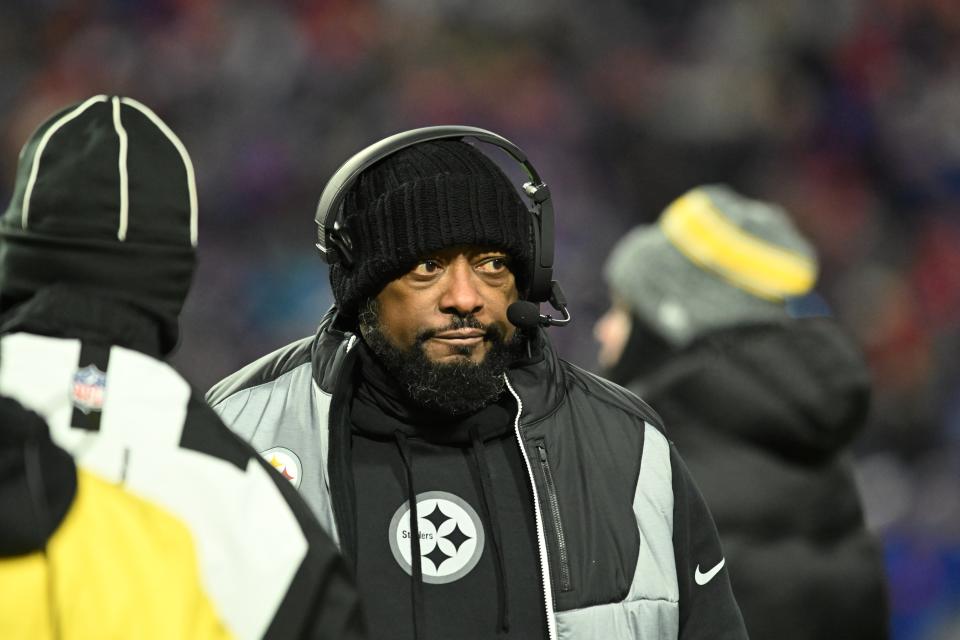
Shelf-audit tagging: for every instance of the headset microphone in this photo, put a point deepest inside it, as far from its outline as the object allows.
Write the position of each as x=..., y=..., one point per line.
x=526, y=315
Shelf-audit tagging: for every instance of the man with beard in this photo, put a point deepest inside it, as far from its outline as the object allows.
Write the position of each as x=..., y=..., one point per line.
x=481, y=486
x=761, y=405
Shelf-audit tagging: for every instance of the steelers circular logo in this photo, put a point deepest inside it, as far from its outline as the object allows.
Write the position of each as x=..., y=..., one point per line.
x=451, y=537
x=285, y=462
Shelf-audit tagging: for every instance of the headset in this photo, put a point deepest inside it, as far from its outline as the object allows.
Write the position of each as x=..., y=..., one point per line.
x=336, y=245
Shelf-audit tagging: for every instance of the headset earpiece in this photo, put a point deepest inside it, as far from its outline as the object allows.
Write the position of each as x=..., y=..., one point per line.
x=340, y=245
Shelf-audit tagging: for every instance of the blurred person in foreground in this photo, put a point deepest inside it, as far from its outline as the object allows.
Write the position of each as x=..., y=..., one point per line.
x=482, y=486
x=97, y=252
x=760, y=404
x=82, y=557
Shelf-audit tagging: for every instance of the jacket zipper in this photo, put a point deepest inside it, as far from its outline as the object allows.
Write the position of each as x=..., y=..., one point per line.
x=554, y=506
x=541, y=537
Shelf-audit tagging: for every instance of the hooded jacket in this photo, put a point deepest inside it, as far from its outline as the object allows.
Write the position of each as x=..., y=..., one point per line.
x=627, y=548
x=761, y=414
x=96, y=256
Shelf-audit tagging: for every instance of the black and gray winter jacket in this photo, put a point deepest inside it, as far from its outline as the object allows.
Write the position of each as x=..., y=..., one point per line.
x=627, y=546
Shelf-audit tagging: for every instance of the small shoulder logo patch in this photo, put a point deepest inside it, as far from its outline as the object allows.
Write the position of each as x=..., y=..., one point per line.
x=89, y=389
x=285, y=462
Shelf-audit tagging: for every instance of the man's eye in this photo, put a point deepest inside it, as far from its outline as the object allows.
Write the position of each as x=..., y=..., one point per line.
x=426, y=268
x=493, y=265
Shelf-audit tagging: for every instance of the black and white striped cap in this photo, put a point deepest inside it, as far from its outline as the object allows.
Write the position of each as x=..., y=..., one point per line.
x=105, y=199
x=107, y=168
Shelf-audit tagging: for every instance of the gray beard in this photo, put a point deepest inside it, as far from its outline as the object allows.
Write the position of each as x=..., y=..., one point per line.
x=457, y=388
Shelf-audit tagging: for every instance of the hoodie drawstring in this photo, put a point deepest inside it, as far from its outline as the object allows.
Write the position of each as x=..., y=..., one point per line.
x=493, y=525
x=416, y=563
x=490, y=514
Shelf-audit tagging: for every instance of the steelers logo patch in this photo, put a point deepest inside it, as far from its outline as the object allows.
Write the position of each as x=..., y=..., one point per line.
x=451, y=537
x=285, y=462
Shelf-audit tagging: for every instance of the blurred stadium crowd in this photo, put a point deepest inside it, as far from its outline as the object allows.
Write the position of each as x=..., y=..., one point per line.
x=845, y=112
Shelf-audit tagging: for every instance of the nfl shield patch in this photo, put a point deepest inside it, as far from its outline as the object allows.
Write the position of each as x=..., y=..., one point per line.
x=89, y=387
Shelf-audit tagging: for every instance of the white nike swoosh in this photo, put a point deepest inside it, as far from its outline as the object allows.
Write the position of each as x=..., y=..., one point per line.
x=704, y=578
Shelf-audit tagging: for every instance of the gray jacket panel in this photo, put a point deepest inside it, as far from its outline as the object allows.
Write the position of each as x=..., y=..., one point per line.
x=290, y=412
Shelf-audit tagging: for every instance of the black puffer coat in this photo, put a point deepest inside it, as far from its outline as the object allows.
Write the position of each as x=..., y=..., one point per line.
x=761, y=415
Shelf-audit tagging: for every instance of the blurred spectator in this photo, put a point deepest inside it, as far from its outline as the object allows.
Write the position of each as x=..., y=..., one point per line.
x=760, y=405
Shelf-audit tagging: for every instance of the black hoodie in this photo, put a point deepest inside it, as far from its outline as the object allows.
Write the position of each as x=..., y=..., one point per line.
x=761, y=415
x=478, y=571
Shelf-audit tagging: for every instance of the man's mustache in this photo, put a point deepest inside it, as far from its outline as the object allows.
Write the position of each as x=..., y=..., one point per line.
x=491, y=331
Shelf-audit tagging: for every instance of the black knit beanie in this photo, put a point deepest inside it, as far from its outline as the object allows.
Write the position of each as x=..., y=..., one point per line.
x=423, y=199
x=104, y=202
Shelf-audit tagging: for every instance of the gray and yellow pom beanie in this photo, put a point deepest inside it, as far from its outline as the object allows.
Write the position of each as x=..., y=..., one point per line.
x=713, y=259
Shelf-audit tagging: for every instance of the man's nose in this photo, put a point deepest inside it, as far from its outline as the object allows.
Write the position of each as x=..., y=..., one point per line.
x=461, y=296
